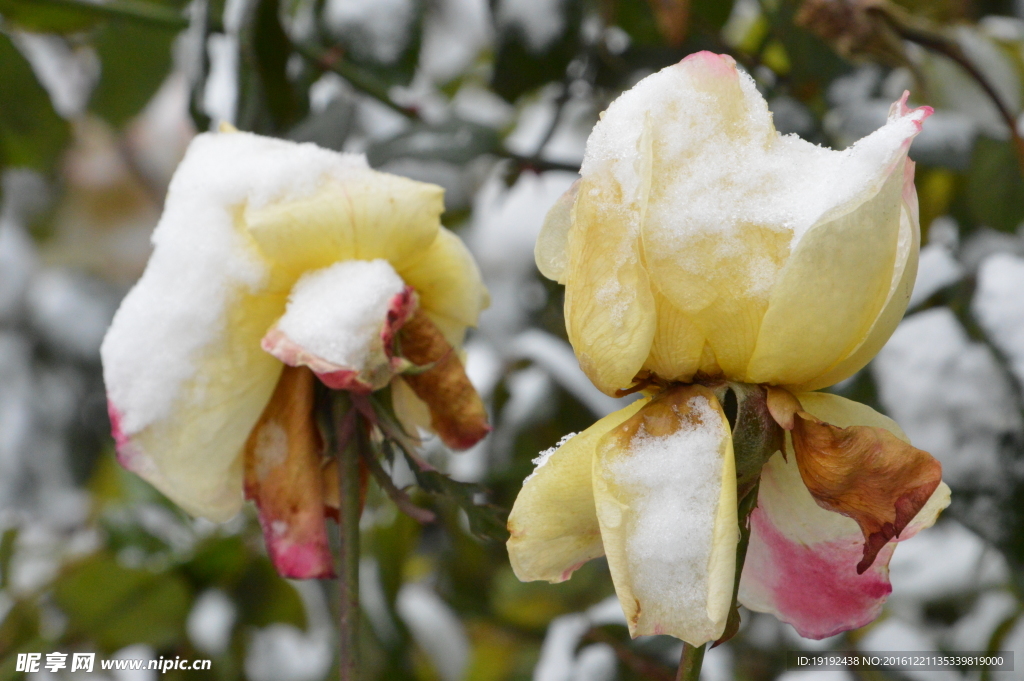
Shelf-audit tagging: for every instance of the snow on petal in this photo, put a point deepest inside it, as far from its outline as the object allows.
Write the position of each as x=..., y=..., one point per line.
x=665, y=493
x=184, y=372
x=827, y=300
x=553, y=524
x=341, y=321
x=801, y=563
x=690, y=203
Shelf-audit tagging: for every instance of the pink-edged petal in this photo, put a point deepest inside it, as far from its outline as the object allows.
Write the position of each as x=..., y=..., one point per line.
x=283, y=476
x=182, y=364
x=802, y=560
x=829, y=302
x=341, y=322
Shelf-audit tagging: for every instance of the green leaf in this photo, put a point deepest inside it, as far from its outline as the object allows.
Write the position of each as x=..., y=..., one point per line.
x=456, y=142
x=995, y=192
x=357, y=47
x=32, y=135
x=265, y=598
x=43, y=17
x=486, y=521
x=636, y=18
x=519, y=69
x=714, y=13
x=115, y=606
x=268, y=102
x=20, y=624
x=219, y=561
x=135, y=59
x=10, y=536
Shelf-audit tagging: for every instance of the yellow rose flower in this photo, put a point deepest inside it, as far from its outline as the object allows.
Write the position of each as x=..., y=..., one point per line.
x=272, y=262
x=700, y=241
x=727, y=271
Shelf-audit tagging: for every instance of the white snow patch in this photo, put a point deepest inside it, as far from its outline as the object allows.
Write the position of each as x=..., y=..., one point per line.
x=210, y=622
x=949, y=395
x=337, y=313
x=936, y=269
x=999, y=306
x=436, y=628
x=543, y=457
x=202, y=262
x=540, y=21
x=377, y=30
x=673, y=485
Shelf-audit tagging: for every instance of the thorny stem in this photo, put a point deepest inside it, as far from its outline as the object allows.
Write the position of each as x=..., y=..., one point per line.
x=351, y=442
x=690, y=663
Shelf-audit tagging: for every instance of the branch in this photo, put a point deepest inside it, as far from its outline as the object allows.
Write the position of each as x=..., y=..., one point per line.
x=400, y=498
x=142, y=12
x=940, y=44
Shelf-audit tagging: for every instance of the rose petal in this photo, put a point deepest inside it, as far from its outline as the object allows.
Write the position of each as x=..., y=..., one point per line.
x=867, y=474
x=449, y=285
x=665, y=493
x=362, y=214
x=185, y=377
x=801, y=564
x=457, y=414
x=904, y=276
x=609, y=308
x=341, y=322
x=553, y=524
x=552, y=249
x=828, y=300
x=283, y=477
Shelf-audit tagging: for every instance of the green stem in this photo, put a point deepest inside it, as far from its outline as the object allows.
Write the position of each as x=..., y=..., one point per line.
x=142, y=12
x=690, y=663
x=349, y=450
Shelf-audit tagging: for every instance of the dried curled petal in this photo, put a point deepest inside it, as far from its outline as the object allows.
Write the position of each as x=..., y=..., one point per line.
x=865, y=473
x=282, y=475
x=457, y=414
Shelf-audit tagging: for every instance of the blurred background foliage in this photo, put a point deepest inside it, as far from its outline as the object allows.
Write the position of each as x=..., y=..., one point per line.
x=492, y=100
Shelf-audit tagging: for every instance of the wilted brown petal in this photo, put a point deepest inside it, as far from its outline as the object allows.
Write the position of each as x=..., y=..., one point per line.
x=865, y=473
x=457, y=414
x=283, y=477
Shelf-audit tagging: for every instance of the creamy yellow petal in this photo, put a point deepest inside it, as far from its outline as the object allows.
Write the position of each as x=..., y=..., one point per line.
x=551, y=251
x=449, y=284
x=193, y=453
x=831, y=291
x=553, y=525
x=365, y=215
x=801, y=563
x=609, y=307
x=904, y=276
x=678, y=344
x=665, y=492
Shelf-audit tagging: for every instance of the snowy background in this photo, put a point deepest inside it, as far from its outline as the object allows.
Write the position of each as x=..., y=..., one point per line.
x=493, y=101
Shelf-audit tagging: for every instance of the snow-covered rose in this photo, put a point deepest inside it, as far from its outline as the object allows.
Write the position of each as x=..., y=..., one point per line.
x=274, y=261
x=704, y=254
x=700, y=241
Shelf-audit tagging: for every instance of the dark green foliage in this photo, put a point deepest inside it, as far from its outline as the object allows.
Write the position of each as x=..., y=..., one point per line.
x=32, y=135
